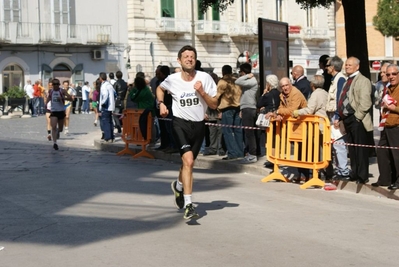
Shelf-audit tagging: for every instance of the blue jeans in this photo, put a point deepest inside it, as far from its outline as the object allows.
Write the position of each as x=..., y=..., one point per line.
x=341, y=157
x=107, y=125
x=85, y=107
x=233, y=137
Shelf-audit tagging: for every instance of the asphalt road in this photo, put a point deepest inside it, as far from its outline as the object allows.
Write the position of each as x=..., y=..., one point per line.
x=83, y=207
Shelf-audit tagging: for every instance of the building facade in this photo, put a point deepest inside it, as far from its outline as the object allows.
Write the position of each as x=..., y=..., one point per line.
x=66, y=39
x=159, y=28
x=380, y=48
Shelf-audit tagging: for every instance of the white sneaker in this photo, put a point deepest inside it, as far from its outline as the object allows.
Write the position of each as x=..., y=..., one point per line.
x=66, y=131
x=249, y=159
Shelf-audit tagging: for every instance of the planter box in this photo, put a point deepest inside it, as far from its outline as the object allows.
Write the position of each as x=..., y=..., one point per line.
x=12, y=103
x=16, y=102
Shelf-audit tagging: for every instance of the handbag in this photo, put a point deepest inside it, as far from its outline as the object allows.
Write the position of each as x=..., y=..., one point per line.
x=261, y=121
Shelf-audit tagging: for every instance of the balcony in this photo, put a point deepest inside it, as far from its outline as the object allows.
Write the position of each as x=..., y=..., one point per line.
x=209, y=27
x=242, y=29
x=173, y=26
x=53, y=34
x=315, y=34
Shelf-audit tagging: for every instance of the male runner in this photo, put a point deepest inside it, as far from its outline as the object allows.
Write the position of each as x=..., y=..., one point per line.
x=192, y=92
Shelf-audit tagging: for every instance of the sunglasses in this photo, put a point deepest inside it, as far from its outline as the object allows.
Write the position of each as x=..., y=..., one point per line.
x=392, y=74
x=56, y=84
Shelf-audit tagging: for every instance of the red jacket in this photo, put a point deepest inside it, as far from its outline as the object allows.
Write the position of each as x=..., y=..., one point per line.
x=36, y=91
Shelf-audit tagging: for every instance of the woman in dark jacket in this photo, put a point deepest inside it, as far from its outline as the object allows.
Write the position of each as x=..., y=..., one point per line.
x=270, y=99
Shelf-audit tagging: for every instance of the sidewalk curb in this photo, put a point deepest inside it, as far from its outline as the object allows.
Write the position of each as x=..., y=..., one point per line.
x=216, y=163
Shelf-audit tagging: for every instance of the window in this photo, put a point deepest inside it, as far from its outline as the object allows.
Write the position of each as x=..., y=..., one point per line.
x=12, y=11
x=61, y=11
x=215, y=13
x=12, y=76
x=167, y=8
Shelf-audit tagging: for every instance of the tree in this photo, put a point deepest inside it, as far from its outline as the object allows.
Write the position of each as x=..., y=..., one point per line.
x=387, y=19
x=355, y=25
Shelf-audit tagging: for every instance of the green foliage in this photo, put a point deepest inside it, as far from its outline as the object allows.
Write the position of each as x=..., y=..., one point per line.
x=15, y=92
x=387, y=19
x=222, y=4
x=306, y=4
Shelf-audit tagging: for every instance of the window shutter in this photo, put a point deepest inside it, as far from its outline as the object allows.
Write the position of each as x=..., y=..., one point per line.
x=215, y=13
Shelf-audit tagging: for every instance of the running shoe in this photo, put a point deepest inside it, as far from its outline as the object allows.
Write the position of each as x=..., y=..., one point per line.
x=55, y=146
x=179, y=198
x=49, y=137
x=190, y=212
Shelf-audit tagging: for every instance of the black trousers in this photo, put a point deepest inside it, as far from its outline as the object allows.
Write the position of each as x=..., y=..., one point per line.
x=359, y=156
x=388, y=159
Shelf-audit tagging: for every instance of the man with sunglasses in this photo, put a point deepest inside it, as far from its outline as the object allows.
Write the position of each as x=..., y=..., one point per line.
x=57, y=97
x=354, y=106
x=388, y=159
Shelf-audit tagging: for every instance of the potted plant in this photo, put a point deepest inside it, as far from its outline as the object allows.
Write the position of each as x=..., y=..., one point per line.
x=14, y=97
x=2, y=103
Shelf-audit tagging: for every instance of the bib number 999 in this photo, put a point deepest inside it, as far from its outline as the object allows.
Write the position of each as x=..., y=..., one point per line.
x=188, y=102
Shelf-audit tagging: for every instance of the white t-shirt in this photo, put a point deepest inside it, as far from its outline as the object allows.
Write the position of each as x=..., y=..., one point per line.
x=187, y=103
x=85, y=92
x=29, y=90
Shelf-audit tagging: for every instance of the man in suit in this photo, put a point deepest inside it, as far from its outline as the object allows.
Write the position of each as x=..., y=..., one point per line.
x=300, y=81
x=353, y=109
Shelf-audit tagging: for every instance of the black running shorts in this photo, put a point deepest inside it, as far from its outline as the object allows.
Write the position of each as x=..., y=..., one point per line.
x=188, y=135
x=59, y=114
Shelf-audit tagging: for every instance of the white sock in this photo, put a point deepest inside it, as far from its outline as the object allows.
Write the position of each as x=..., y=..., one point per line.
x=187, y=200
x=179, y=185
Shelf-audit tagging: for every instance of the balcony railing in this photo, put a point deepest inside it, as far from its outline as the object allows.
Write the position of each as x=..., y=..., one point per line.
x=57, y=34
x=243, y=29
x=172, y=25
x=315, y=34
x=209, y=27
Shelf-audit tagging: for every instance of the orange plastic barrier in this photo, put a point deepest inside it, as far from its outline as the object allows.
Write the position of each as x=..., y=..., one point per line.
x=299, y=143
x=131, y=133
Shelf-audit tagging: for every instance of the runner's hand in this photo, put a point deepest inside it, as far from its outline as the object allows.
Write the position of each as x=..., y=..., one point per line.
x=163, y=110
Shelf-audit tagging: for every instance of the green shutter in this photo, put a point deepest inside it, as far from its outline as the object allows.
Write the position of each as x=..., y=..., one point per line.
x=168, y=8
x=200, y=14
x=215, y=12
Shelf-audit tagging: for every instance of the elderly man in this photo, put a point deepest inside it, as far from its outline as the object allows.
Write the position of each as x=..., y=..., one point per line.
x=381, y=86
x=300, y=81
x=353, y=109
x=317, y=101
x=290, y=99
x=340, y=152
x=388, y=159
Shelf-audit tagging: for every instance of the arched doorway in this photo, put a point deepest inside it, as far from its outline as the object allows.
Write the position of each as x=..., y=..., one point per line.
x=62, y=72
x=13, y=75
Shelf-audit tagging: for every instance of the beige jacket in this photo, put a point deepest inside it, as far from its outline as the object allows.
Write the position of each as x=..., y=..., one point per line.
x=332, y=93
